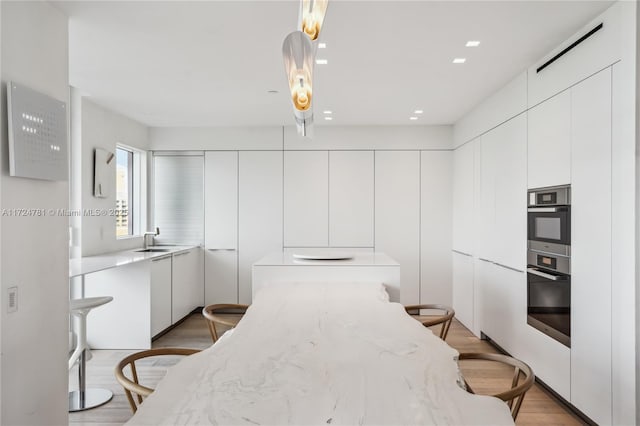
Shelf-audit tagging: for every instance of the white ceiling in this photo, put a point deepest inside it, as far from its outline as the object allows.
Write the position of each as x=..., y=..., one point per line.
x=211, y=63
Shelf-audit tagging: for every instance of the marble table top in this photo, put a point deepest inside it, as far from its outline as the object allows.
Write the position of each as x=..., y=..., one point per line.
x=313, y=353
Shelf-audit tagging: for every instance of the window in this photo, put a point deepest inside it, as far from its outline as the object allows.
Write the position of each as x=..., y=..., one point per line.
x=124, y=192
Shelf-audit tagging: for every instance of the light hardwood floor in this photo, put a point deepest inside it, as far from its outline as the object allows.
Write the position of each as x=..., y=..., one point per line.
x=538, y=408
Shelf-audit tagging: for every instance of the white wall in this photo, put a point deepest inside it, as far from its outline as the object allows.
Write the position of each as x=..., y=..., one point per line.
x=503, y=105
x=102, y=128
x=34, y=250
x=215, y=138
x=371, y=137
x=278, y=138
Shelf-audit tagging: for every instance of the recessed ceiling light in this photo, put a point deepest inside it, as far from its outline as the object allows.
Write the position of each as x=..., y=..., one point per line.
x=418, y=111
x=413, y=118
x=322, y=61
x=328, y=118
x=327, y=112
x=459, y=60
x=322, y=45
x=472, y=43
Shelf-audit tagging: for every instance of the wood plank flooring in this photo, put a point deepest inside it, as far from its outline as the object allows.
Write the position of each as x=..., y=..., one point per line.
x=538, y=408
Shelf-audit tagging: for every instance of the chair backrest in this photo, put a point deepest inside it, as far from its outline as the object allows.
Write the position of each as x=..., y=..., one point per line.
x=132, y=385
x=515, y=394
x=228, y=314
x=445, y=318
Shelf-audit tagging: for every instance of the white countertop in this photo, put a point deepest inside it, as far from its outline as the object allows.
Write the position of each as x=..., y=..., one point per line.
x=90, y=264
x=359, y=259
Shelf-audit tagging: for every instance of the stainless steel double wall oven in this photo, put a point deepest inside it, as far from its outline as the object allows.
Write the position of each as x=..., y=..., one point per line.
x=549, y=262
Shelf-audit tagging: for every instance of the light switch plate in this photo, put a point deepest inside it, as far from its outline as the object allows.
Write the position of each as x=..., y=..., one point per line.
x=12, y=299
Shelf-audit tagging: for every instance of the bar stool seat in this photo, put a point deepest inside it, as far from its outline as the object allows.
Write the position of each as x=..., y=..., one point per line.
x=84, y=398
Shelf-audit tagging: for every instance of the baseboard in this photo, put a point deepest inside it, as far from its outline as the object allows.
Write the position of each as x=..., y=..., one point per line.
x=197, y=310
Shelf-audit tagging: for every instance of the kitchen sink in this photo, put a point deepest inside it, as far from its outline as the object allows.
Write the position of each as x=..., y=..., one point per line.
x=153, y=250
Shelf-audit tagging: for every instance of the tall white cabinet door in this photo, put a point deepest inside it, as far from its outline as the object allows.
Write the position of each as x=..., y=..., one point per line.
x=486, y=208
x=351, y=198
x=260, y=213
x=306, y=198
x=435, y=228
x=549, y=145
x=221, y=276
x=591, y=247
x=463, y=198
x=397, y=216
x=463, y=289
x=221, y=199
x=187, y=292
x=160, y=294
x=510, y=193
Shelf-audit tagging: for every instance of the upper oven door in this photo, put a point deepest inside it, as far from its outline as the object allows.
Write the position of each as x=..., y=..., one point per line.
x=550, y=224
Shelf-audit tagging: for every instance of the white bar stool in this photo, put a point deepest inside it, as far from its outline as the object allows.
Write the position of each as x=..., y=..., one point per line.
x=84, y=398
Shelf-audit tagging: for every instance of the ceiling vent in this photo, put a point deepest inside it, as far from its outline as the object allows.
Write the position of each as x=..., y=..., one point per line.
x=568, y=48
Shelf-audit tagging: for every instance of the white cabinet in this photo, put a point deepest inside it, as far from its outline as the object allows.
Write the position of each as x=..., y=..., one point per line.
x=549, y=359
x=503, y=303
x=221, y=276
x=351, y=193
x=502, y=214
x=487, y=310
x=510, y=225
x=187, y=289
x=549, y=145
x=463, y=198
x=486, y=208
x=306, y=198
x=435, y=229
x=591, y=247
x=160, y=294
x=260, y=213
x=501, y=295
x=463, y=288
x=397, y=216
x=221, y=199
x=221, y=227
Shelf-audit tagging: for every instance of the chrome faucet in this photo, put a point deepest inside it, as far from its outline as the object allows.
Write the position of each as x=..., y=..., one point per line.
x=154, y=234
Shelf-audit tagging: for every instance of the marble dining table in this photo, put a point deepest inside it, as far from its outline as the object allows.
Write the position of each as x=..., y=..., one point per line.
x=318, y=354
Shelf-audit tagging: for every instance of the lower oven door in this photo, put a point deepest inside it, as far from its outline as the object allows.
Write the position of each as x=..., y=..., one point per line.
x=549, y=303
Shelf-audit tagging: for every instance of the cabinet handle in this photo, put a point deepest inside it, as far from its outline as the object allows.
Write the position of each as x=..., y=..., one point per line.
x=551, y=277
x=182, y=253
x=507, y=267
x=462, y=253
x=485, y=260
x=157, y=259
x=220, y=249
x=547, y=209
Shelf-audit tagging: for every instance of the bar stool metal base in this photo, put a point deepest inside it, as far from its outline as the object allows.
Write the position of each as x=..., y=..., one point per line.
x=90, y=398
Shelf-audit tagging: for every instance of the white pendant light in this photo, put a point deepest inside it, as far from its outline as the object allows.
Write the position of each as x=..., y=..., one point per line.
x=297, y=52
x=312, y=16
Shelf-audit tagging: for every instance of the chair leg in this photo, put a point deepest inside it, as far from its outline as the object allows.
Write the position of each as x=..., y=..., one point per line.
x=445, y=327
x=212, y=331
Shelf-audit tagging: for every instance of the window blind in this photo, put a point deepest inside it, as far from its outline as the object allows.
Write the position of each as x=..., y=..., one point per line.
x=179, y=198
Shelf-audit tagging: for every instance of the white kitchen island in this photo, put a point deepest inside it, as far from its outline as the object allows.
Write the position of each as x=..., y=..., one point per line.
x=374, y=267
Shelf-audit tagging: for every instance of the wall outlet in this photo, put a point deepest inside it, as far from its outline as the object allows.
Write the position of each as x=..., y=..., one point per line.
x=12, y=300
